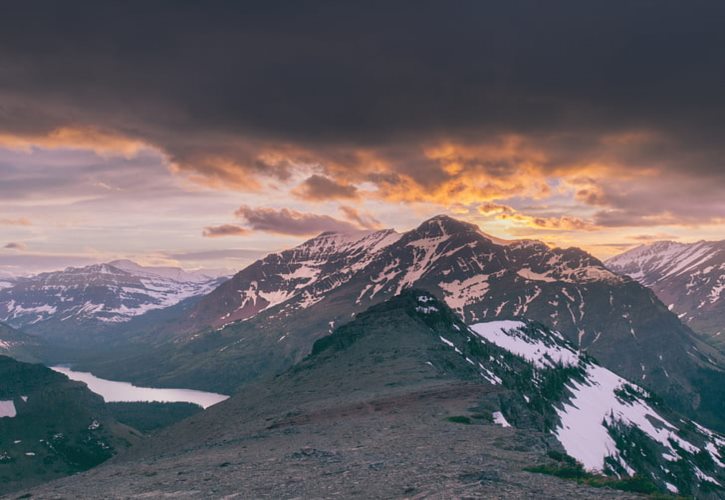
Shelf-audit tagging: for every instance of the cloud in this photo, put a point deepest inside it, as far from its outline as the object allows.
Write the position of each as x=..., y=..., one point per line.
x=318, y=188
x=654, y=237
x=291, y=222
x=362, y=219
x=224, y=230
x=227, y=253
x=549, y=223
x=494, y=209
x=508, y=100
x=13, y=245
x=92, y=139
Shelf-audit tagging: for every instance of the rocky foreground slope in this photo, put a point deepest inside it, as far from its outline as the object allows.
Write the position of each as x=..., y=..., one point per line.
x=688, y=277
x=407, y=401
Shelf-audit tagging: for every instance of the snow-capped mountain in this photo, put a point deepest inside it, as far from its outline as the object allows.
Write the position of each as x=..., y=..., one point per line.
x=688, y=277
x=97, y=296
x=480, y=276
x=269, y=314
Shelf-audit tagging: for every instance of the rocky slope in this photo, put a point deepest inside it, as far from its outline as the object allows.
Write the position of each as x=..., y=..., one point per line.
x=688, y=277
x=50, y=426
x=406, y=400
x=268, y=315
x=16, y=344
x=78, y=301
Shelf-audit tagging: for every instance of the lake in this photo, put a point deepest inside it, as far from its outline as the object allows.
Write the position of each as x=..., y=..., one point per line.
x=113, y=392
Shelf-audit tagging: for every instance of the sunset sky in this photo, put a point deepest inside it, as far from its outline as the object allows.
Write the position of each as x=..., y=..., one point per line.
x=207, y=134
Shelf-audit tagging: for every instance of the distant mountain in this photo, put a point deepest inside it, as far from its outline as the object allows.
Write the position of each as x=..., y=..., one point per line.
x=96, y=297
x=269, y=314
x=50, y=426
x=6, y=279
x=688, y=277
x=406, y=400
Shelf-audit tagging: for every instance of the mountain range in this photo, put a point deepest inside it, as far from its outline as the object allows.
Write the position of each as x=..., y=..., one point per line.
x=76, y=302
x=267, y=317
x=433, y=345
x=688, y=277
x=407, y=400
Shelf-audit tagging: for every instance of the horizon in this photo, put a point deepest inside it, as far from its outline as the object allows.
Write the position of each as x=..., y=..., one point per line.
x=253, y=255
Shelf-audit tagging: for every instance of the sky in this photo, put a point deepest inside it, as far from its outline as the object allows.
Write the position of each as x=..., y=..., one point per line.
x=206, y=134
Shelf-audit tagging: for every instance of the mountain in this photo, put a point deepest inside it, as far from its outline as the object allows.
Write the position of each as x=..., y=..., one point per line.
x=406, y=400
x=688, y=277
x=96, y=297
x=50, y=426
x=268, y=315
x=16, y=344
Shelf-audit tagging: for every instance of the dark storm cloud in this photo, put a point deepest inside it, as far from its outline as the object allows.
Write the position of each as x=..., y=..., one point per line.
x=219, y=85
x=291, y=222
x=224, y=230
x=14, y=245
x=318, y=188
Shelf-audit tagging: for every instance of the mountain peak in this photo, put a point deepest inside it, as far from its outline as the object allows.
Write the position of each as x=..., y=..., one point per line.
x=445, y=225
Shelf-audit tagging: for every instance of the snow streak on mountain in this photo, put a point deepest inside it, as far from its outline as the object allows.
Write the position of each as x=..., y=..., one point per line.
x=688, y=277
x=482, y=278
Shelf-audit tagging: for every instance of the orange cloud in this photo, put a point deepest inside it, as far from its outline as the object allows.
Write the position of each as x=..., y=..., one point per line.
x=319, y=188
x=615, y=172
x=562, y=223
x=559, y=223
x=362, y=219
x=494, y=209
x=87, y=138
